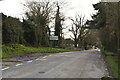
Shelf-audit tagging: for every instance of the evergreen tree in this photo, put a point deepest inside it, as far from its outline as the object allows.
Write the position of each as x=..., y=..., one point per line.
x=107, y=21
x=58, y=26
x=12, y=31
x=29, y=33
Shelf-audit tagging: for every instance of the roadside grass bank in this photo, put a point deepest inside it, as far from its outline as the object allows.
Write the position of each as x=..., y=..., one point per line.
x=11, y=61
x=11, y=50
x=113, y=63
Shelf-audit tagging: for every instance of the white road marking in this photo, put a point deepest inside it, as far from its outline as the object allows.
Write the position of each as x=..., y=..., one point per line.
x=5, y=68
x=36, y=59
x=60, y=55
x=50, y=55
x=30, y=61
x=19, y=64
x=40, y=59
x=45, y=57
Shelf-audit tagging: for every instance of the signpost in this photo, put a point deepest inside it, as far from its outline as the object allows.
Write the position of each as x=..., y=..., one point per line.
x=53, y=38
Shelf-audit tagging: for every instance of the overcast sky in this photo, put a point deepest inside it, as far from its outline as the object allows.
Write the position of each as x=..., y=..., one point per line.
x=15, y=8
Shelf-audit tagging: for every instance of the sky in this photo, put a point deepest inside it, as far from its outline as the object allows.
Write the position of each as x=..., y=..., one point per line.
x=15, y=8
x=84, y=7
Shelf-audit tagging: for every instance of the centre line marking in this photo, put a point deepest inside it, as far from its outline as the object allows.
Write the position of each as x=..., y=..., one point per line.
x=30, y=61
x=5, y=68
x=40, y=59
x=45, y=57
x=19, y=64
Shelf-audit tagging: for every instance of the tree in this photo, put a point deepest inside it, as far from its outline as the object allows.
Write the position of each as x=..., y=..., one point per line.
x=38, y=15
x=58, y=26
x=107, y=21
x=99, y=19
x=29, y=33
x=78, y=30
x=12, y=31
x=112, y=17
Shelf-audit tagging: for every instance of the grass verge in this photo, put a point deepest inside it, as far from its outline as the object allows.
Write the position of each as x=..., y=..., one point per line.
x=113, y=63
x=10, y=50
x=108, y=53
x=12, y=61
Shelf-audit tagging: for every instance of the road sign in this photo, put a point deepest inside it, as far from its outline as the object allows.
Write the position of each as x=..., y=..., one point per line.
x=53, y=37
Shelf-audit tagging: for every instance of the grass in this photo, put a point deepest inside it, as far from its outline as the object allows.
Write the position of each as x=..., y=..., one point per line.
x=12, y=61
x=10, y=50
x=109, y=53
x=113, y=63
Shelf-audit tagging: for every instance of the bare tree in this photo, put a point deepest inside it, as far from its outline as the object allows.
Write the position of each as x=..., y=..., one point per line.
x=38, y=14
x=78, y=30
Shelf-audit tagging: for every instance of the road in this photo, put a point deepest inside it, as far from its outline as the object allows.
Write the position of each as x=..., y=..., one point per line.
x=79, y=64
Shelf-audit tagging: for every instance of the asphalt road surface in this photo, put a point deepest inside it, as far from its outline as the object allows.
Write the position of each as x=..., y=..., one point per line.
x=80, y=64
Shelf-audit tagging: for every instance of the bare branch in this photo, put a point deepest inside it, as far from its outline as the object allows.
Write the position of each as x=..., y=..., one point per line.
x=78, y=29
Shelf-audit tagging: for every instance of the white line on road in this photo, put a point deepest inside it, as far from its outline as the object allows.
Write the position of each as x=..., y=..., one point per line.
x=19, y=64
x=40, y=59
x=5, y=68
x=30, y=61
x=50, y=55
x=45, y=57
x=59, y=55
